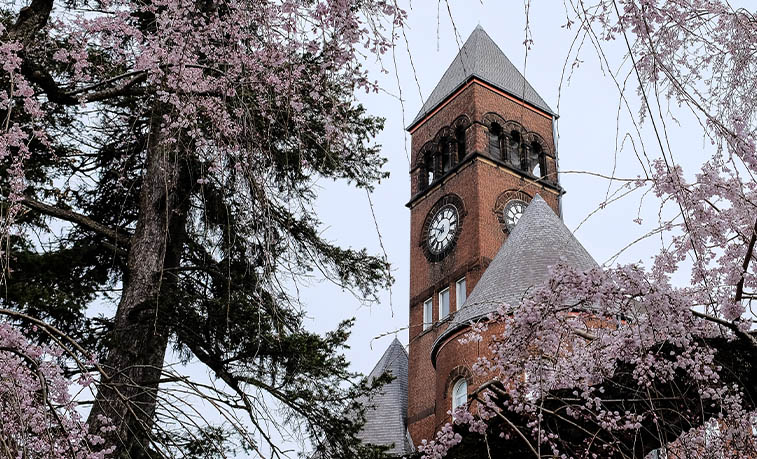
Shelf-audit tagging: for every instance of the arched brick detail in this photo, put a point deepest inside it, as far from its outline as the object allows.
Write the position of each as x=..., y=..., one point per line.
x=511, y=125
x=491, y=118
x=503, y=199
x=534, y=137
x=446, y=131
x=428, y=147
x=461, y=121
x=458, y=372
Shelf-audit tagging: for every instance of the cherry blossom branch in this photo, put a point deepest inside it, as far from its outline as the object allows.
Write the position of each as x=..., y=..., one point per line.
x=492, y=385
x=745, y=265
x=729, y=325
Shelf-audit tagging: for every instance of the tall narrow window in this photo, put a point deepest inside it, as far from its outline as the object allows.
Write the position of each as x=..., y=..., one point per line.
x=460, y=293
x=460, y=139
x=428, y=162
x=495, y=134
x=446, y=160
x=443, y=304
x=543, y=164
x=524, y=152
x=536, y=160
x=513, y=148
x=428, y=310
x=504, y=147
x=459, y=393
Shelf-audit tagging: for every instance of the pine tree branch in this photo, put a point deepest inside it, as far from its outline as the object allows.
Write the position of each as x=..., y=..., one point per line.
x=120, y=238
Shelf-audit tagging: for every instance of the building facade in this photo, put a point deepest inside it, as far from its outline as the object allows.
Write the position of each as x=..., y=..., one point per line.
x=485, y=227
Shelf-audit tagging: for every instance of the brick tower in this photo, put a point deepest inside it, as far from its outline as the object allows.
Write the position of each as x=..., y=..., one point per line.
x=483, y=159
x=482, y=149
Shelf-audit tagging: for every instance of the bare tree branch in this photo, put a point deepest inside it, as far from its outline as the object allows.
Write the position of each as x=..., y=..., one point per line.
x=114, y=235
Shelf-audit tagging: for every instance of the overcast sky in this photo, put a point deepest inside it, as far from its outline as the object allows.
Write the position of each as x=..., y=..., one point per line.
x=594, y=136
x=590, y=127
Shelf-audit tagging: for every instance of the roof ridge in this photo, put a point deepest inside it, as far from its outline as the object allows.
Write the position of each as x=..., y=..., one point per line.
x=385, y=361
x=480, y=57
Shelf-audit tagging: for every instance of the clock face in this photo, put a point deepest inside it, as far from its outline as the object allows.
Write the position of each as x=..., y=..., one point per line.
x=443, y=228
x=512, y=213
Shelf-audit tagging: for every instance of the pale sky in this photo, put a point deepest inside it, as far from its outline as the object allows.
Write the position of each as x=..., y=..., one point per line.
x=588, y=132
x=589, y=128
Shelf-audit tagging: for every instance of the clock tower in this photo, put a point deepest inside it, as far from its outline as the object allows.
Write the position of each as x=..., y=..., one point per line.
x=482, y=150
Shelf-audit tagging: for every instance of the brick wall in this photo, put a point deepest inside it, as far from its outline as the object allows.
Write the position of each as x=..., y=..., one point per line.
x=478, y=181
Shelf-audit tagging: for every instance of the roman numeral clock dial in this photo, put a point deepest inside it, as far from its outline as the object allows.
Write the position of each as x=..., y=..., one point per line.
x=443, y=229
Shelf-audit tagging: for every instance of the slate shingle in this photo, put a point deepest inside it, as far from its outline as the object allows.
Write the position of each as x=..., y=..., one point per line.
x=386, y=417
x=538, y=241
x=480, y=57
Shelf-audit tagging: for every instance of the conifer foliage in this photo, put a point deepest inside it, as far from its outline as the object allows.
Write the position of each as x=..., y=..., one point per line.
x=158, y=160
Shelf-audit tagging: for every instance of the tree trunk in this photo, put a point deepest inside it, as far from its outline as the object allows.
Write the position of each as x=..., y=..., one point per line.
x=139, y=338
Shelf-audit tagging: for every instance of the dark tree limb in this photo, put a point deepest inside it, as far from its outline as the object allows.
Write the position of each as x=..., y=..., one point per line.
x=31, y=20
x=745, y=266
x=117, y=236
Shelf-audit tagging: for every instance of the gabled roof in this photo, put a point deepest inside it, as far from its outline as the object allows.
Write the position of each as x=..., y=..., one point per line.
x=481, y=58
x=386, y=417
x=538, y=241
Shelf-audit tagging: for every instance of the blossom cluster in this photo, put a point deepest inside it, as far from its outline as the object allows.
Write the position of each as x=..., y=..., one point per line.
x=39, y=416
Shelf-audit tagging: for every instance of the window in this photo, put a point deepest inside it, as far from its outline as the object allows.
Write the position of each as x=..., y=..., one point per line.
x=460, y=138
x=428, y=162
x=495, y=134
x=443, y=303
x=460, y=293
x=459, y=393
x=536, y=160
x=513, y=148
x=428, y=310
x=446, y=159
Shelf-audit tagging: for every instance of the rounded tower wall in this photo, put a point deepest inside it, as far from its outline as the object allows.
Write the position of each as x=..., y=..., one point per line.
x=456, y=360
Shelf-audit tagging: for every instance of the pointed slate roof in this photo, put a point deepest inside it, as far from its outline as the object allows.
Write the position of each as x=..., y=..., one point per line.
x=538, y=241
x=386, y=418
x=480, y=57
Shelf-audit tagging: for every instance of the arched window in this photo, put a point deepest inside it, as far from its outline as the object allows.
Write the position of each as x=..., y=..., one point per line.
x=460, y=140
x=513, y=148
x=495, y=139
x=446, y=158
x=428, y=166
x=459, y=393
x=536, y=165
